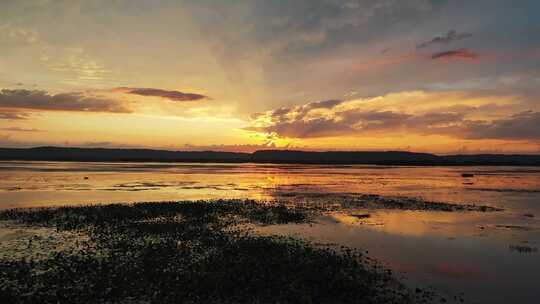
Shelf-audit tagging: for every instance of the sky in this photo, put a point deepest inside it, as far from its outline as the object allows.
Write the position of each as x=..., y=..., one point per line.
x=435, y=76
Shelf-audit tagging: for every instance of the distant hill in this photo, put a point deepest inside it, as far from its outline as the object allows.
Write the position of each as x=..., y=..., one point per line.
x=103, y=154
x=264, y=156
x=343, y=157
x=495, y=159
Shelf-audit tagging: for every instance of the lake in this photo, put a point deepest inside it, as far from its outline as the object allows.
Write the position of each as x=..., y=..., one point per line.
x=491, y=257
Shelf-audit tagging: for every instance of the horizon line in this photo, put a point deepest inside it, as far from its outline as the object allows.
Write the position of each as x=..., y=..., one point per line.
x=275, y=149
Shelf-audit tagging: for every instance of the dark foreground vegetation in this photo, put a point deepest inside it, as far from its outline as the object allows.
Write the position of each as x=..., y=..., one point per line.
x=266, y=156
x=190, y=252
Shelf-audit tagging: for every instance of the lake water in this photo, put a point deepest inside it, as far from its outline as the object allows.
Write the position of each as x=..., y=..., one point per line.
x=492, y=257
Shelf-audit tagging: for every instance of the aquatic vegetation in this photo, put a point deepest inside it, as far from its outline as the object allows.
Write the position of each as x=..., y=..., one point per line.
x=504, y=190
x=523, y=249
x=513, y=227
x=191, y=252
x=333, y=201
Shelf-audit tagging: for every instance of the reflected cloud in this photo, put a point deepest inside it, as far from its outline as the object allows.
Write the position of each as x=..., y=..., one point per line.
x=458, y=271
x=414, y=223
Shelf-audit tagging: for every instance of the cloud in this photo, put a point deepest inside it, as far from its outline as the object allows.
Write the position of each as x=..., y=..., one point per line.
x=13, y=115
x=167, y=94
x=302, y=29
x=75, y=64
x=325, y=104
x=403, y=113
x=320, y=127
x=359, y=122
x=448, y=38
x=17, y=129
x=73, y=101
x=456, y=54
x=524, y=125
x=19, y=34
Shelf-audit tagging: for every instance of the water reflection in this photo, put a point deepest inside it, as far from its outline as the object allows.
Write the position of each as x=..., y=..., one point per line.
x=454, y=252
x=55, y=182
x=483, y=254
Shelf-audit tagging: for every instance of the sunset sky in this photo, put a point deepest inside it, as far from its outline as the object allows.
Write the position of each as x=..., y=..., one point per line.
x=419, y=75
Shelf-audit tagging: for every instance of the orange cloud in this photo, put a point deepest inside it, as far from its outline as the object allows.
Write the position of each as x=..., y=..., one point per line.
x=420, y=113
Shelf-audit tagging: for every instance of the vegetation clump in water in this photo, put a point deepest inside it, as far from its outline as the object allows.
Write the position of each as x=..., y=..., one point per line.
x=522, y=249
x=190, y=252
x=335, y=201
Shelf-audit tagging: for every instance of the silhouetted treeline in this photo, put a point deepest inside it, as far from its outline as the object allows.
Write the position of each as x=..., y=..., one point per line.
x=102, y=154
x=264, y=156
x=495, y=159
x=343, y=157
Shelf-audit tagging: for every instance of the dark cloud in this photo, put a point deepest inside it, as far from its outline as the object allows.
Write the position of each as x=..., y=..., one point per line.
x=320, y=127
x=13, y=115
x=449, y=37
x=357, y=122
x=325, y=104
x=74, y=101
x=525, y=125
x=300, y=112
x=171, y=95
x=374, y=119
x=456, y=54
x=280, y=112
x=390, y=121
x=17, y=129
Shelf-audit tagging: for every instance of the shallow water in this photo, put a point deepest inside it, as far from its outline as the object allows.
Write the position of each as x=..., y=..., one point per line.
x=490, y=256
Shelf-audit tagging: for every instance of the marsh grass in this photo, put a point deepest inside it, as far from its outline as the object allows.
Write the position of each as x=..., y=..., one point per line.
x=191, y=252
x=335, y=201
